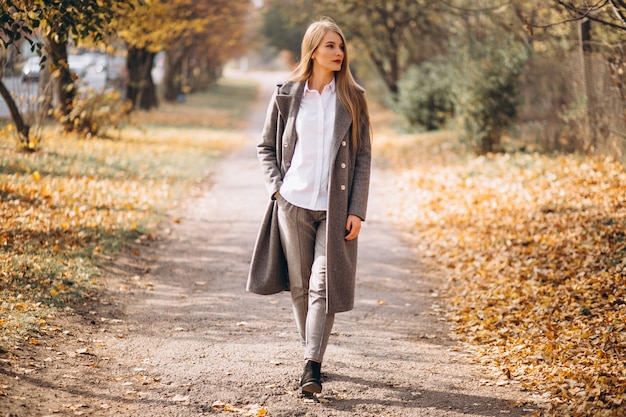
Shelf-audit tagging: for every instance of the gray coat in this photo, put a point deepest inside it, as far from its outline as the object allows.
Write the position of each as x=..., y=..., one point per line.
x=348, y=192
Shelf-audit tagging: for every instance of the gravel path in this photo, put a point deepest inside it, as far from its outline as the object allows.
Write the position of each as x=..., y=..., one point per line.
x=205, y=346
x=185, y=339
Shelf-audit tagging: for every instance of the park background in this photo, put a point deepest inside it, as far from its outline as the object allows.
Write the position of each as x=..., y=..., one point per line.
x=502, y=122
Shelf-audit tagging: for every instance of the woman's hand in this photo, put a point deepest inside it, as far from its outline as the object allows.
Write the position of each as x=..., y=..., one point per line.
x=353, y=227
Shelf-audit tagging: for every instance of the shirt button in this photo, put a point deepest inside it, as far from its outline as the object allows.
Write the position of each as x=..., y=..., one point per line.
x=343, y=165
x=343, y=187
x=343, y=143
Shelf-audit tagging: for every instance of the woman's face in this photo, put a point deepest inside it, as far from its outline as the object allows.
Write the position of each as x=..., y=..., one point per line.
x=328, y=55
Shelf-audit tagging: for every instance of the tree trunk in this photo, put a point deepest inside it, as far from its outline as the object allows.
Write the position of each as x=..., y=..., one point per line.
x=172, y=81
x=590, y=90
x=23, y=130
x=386, y=75
x=64, y=83
x=140, y=89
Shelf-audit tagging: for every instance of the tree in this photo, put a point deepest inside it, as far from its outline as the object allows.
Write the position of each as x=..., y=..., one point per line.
x=394, y=34
x=488, y=59
x=59, y=22
x=13, y=28
x=202, y=48
x=282, y=32
x=610, y=13
x=176, y=27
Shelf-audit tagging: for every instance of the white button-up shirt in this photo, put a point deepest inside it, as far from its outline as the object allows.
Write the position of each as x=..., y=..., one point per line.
x=306, y=181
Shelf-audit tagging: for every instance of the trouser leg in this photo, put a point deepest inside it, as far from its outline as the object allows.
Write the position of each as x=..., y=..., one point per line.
x=303, y=234
x=319, y=324
x=297, y=233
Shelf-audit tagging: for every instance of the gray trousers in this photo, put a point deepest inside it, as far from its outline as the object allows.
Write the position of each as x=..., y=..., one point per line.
x=303, y=235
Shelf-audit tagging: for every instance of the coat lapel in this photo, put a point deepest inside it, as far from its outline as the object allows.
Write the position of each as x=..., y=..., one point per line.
x=343, y=120
x=283, y=101
x=288, y=101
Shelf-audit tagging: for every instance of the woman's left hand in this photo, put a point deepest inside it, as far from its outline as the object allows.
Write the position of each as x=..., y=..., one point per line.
x=353, y=227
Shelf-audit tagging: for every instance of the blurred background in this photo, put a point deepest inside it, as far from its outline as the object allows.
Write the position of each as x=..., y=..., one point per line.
x=514, y=75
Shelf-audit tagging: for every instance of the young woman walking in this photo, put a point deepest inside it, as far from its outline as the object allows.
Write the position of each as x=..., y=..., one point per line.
x=315, y=155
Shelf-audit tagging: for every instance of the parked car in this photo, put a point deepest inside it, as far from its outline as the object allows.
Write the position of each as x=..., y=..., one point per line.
x=31, y=69
x=80, y=64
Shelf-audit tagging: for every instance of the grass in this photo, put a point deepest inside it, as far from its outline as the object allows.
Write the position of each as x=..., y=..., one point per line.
x=76, y=200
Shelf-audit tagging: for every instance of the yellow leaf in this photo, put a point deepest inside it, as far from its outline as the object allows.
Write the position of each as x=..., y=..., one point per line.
x=20, y=307
x=36, y=176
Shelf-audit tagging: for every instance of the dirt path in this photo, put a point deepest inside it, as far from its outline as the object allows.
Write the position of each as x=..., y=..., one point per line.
x=184, y=338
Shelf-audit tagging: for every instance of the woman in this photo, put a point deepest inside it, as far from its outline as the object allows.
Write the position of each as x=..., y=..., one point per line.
x=315, y=154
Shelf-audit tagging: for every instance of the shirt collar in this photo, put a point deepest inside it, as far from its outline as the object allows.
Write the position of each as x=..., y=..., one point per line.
x=330, y=85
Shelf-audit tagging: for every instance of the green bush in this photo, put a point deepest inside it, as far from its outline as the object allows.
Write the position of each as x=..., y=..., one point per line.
x=487, y=94
x=425, y=97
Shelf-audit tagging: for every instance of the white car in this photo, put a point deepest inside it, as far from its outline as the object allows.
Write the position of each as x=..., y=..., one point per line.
x=31, y=69
x=79, y=64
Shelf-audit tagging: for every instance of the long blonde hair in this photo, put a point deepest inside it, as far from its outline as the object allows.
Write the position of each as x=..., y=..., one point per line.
x=350, y=93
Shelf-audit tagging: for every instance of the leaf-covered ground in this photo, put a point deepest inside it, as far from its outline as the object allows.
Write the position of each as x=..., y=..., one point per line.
x=66, y=207
x=535, y=248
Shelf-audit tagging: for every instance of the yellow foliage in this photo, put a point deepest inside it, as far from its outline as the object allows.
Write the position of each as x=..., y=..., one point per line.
x=74, y=201
x=535, y=248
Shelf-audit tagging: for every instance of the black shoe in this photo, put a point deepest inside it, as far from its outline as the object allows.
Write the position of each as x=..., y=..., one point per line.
x=311, y=382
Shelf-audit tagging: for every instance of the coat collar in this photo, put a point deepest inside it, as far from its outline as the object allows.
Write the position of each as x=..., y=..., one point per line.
x=288, y=98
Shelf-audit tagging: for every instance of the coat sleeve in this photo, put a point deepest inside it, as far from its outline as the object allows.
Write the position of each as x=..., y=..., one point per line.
x=269, y=150
x=362, y=169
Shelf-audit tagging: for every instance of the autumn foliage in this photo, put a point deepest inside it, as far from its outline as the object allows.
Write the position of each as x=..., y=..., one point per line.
x=535, y=248
x=66, y=209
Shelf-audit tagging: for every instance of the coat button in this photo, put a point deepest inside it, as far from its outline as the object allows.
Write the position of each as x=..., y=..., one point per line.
x=343, y=187
x=285, y=144
x=343, y=165
x=288, y=164
x=344, y=143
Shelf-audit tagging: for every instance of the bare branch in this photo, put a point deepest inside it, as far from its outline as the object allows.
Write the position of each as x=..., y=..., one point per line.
x=616, y=4
x=477, y=10
x=587, y=12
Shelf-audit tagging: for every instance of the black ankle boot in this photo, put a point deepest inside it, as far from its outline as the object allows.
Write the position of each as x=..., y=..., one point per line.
x=311, y=381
